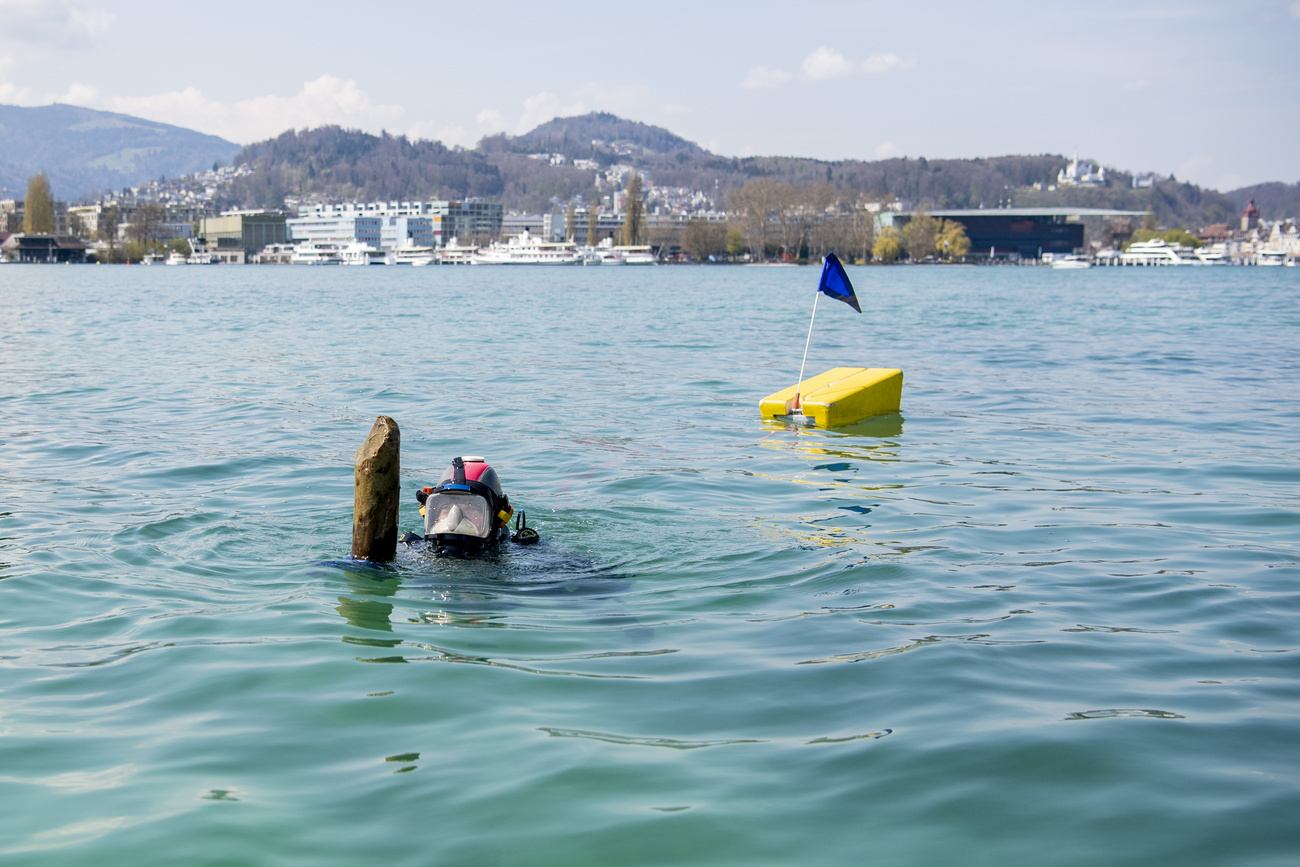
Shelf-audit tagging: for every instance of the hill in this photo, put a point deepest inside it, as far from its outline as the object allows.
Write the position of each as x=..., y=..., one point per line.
x=336, y=164
x=574, y=136
x=1273, y=199
x=83, y=151
x=344, y=165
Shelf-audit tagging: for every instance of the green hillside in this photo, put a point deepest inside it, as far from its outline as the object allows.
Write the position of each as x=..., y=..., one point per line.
x=339, y=164
x=83, y=151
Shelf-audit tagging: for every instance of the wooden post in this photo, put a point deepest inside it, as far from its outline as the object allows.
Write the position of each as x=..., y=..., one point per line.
x=377, y=483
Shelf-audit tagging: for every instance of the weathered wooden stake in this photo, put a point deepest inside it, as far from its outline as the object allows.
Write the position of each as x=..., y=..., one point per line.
x=374, y=510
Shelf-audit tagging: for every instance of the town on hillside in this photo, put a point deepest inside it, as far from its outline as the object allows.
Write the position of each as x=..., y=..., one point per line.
x=621, y=216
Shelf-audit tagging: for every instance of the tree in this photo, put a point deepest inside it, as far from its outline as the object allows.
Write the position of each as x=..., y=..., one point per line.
x=920, y=234
x=889, y=245
x=952, y=242
x=735, y=242
x=593, y=224
x=700, y=238
x=632, y=229
x=38, y=213
x=755, y=203
x=106, y=229
x=569, y=222
x=147, y=224
x=1182, y=236
x=1149, y=221
x=862, y=229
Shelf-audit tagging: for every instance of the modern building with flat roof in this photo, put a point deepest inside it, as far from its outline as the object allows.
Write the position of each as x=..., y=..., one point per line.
x=1025, y=233
x=464, y=219
x=249, y=231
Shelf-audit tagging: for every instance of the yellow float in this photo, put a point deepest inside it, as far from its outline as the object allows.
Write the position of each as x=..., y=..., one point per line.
x=838, y=397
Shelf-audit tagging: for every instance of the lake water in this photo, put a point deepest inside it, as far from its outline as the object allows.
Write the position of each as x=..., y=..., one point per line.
x=1048, y=615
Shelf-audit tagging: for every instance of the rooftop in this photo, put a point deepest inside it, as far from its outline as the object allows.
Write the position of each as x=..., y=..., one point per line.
x=1028, y=212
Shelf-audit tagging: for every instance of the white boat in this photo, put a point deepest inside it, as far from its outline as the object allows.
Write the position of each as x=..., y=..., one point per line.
x=637, y=255
x=525, y=249
x=173, y=258
x=455, y=253
x=357, y=253
x=1158, y=251
x=1070, y=263
x=316, y=253
x=1271, y=258
x=413, y=256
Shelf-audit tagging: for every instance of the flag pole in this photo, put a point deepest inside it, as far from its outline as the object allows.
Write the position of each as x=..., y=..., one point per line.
x=798, y=403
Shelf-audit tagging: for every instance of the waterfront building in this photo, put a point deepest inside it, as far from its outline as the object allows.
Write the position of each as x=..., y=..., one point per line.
x=245, y=232
x=607, y=226
x=1014, y=233
x=336, y=227
x=34, y=247
x=400, y=232
x=516, y=224
x=13, y=210
x=353, y=221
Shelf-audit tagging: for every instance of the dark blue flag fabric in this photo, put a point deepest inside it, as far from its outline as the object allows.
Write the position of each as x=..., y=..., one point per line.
x=835, y=282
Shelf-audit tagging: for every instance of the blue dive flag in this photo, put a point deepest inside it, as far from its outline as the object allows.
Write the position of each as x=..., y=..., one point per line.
x=835, y=282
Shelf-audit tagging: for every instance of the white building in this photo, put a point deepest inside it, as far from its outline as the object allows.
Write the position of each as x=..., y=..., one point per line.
x=446, y=220
x=1078, y=174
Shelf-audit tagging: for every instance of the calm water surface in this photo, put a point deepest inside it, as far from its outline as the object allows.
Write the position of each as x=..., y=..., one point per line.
x=1048, y=615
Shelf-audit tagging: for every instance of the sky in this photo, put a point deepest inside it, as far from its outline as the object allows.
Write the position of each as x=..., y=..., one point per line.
x=1207, y=92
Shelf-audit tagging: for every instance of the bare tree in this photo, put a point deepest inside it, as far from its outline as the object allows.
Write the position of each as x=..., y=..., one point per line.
x=147, y=223
x=756, y=204
x=700, y=238
x=106, y=229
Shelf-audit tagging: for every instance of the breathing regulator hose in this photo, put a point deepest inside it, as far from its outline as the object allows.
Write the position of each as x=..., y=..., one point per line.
x=524, y=534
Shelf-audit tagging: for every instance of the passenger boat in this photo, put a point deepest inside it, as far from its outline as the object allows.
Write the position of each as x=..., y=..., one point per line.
x=525, y=249
x=413, y=256
x=357, y=253
x=316, y=253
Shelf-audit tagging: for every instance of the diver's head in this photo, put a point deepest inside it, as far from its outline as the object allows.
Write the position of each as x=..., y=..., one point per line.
x=466, y=509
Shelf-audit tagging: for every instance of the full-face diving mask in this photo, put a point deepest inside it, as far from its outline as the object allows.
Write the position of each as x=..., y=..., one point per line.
x=466, y=509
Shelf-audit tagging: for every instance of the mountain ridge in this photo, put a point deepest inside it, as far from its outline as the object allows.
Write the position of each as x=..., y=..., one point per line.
x=83, y=150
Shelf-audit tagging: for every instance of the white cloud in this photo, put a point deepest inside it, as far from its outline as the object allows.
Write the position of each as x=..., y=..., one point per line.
x=544, y=106
x=620, y=100
x=491, y=120
x=1295, y=9
x=886, y=149
x=449, y=134
x=327, y=100
x=51, y=21
x=824, y=63
x=1140, y=84
x=878, y=64
x=1193, y=166
x=761, y=78
x=1228, y=182
x=675, y=108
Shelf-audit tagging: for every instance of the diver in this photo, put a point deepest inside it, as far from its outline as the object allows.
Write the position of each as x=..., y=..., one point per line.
x=466, y=512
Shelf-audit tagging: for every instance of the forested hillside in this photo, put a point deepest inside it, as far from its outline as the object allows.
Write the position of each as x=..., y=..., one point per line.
x=335, y=164
x=343, y=165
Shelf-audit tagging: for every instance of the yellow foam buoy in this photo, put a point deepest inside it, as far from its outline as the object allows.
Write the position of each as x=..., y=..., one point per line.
x=840, y=396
